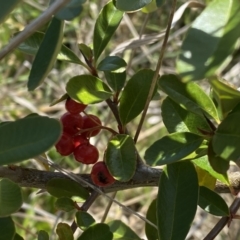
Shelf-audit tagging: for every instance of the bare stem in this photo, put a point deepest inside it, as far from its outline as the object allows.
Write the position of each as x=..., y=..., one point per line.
x=156, y=75
x=33, y=26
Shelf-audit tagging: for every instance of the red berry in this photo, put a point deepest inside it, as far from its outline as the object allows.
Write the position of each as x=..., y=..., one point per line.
x=79, y=139
x=91, y=121
x=86, y=153
x=72, y=123
x=101, y=176
x=65, y=145
x=73, y=106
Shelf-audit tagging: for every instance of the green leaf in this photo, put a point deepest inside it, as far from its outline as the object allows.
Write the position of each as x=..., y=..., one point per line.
x=70, y=11
x=153, y=6
x=6, y=8
x=134, y=95
x=7, y=228
x=204, y=164
x=47, y=54
x=111, y=63
x=106, y=24
x=133, y=5
x=219, y=164
x=31, y=46
x=65, y=204
x=64, y=231
x=177, y=200
x=227, y=137
x=18, y=237
x=177, y=119
x=151, y=232
x=88, y=89
x=121, y=157
x=84, y=220
x=121, y=231
x=86, y=52
x=210, y=40
x=226, y=97
x=116, y=80
x=212, y=203
x=10, y=197
x=98, y=231
x=172, y=148
x=60, y=187
x=43, y=235
x=27, y=138
x=188, y=95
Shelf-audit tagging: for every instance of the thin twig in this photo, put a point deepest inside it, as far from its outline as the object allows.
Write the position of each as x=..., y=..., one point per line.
x=224, y=220
x=156, y=74
x=32, y=27
x=108, y=208
x=81, y=180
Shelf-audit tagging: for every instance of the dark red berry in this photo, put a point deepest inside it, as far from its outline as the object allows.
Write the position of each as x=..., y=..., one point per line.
x=101, y=176
x=91, y=121
x=73, y=106
x=65, y=145
x=79, y=139
x=86, y=153
x=72, y=123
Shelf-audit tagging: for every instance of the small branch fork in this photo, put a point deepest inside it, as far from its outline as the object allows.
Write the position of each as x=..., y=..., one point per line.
x=225, y=220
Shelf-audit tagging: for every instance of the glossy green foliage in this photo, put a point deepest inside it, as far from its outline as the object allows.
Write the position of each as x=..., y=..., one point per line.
x=88, y=89
x=226, y=138
x=64, y=232
x=172, y=148
x=32, y=44
x=47, y=54
x=7, y=228
x=151, y=232
x=219, y=164
x=84, y=220
x=121, y=231
x=203, y=163
x=6, y=8
x=18, y=237
x=121, y=158
x=86, y=52
x=210, y=40
x=106, y=24
x=59, y=187
x=111, y=63
x=10, y=197
x=65, y=204
x=133, y=5
x=178, y=119
x=70, y=11
x=43, y=235
x=98, y=231
x=211, y=202
x=116, y=80
x=27, y=138
x=226, y=97
x=177, y=200
x=134, y=95
x=188, y=95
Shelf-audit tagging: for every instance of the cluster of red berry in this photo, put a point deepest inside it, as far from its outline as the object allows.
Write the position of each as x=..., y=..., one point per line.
x=77, y=130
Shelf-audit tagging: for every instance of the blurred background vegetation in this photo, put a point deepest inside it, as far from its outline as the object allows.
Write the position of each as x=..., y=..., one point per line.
x=38, y=211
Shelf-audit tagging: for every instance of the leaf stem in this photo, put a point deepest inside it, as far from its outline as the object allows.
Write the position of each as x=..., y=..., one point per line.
x=156, y=75
x=32, y=27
